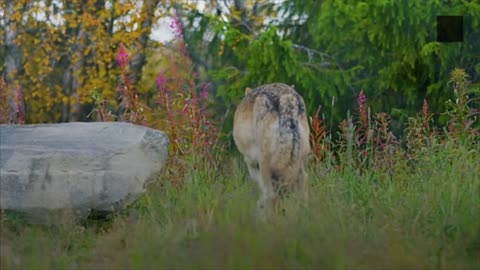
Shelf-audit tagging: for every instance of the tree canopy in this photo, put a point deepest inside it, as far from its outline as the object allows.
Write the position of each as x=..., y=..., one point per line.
x=60, y=52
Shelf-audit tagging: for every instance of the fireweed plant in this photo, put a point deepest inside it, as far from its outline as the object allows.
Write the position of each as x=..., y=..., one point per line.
x=4, y=108
x=133, y=109
x=183, y=112
x=463, y=118
x=366, y=142
x=12, y=107
x=102, y=113
x=181, y=108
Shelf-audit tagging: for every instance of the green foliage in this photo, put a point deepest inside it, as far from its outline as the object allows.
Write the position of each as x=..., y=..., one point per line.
x=394, y=44
x=463, y=119
x=335, y=48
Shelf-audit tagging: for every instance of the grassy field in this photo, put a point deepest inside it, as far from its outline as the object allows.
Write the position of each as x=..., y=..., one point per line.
x=421, y=216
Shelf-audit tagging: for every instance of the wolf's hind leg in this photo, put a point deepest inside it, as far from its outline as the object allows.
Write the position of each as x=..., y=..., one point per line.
x=253, y=169
x=268, y=197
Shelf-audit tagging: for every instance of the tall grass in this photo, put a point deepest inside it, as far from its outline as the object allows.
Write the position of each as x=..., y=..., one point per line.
x=423, y=218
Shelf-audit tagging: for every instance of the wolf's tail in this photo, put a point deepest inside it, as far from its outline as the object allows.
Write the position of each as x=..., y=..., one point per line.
x=287, y=142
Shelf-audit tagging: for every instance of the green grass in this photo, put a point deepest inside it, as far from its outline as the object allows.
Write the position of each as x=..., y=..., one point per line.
x=426, y=216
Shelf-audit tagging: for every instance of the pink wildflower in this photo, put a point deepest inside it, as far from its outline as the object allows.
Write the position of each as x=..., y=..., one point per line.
x=204, y=92
x=161, y=82
x=122, y=56
x=194, y=100
x=361, y=99
x=176, y=26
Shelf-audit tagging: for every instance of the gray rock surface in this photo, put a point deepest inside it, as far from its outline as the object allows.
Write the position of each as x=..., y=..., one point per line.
x=77, y=166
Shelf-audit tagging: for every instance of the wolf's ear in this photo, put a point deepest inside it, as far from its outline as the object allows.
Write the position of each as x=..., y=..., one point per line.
x=248, y=90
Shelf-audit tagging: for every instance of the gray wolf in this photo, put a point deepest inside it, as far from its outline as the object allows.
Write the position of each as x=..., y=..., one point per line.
x=271, y=132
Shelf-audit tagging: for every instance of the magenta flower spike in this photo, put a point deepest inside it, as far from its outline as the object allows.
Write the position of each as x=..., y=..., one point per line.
x=122, y=56
x=161, y=82
x=204, y=92
x=362, y=99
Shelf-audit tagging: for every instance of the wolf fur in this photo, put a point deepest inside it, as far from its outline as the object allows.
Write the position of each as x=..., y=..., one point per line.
x=271, y=131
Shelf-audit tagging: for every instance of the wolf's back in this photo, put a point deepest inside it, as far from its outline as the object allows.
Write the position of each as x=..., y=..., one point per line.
x=281, y=120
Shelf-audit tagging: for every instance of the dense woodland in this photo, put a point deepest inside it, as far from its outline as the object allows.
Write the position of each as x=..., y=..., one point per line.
x=61, y=54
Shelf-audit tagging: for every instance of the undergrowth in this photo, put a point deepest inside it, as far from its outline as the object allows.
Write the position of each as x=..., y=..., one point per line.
x=425, y=217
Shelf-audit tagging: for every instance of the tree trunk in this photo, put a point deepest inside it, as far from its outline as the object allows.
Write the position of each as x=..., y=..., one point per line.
x=13, y=55
x=65, y=64
x=77, y=72
x=73, y=64
x=139, y=59
x=243, y=25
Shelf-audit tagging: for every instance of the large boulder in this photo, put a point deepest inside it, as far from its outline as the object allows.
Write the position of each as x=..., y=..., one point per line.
x=79, y=167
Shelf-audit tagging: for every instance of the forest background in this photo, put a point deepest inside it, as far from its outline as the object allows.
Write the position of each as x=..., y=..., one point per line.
x=60, y=56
